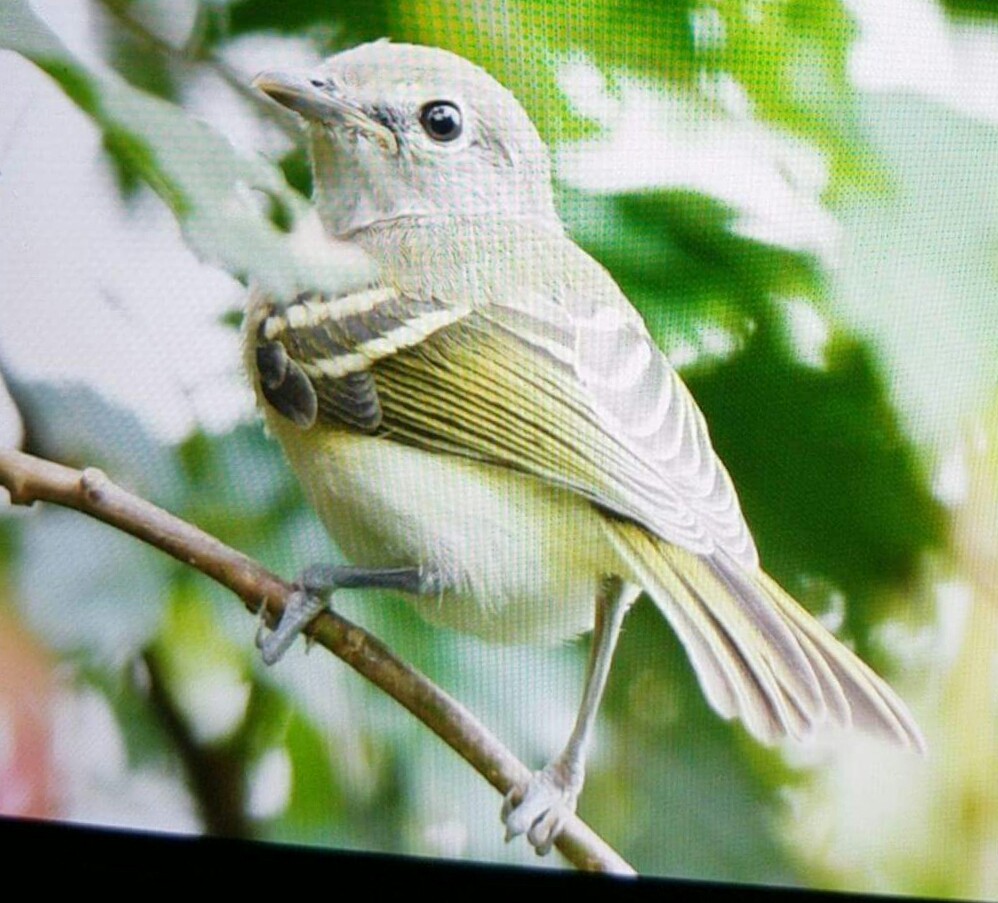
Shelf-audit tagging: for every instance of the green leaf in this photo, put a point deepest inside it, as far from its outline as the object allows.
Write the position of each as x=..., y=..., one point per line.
x=338, y=22
x=830, y=483
x=792, y=58
x=675, y=257
x=976, y=9
x=213, y=191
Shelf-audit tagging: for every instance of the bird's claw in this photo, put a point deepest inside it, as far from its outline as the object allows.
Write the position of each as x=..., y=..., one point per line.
x=543, y=808
x=302, y=608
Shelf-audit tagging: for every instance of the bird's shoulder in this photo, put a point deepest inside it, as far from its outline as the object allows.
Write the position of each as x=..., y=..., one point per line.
x=482, y=260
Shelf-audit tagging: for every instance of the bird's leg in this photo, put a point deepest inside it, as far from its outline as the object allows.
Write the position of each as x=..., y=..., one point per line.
x=319, y=581
x=546, y=803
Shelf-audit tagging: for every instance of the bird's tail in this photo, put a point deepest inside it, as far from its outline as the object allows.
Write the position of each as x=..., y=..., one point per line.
x=758, y=655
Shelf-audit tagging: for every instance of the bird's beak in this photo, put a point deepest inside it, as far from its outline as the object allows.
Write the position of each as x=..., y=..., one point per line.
x=320, y=103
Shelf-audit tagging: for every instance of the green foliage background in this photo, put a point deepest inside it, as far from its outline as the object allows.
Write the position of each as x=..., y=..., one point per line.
x=833, y=461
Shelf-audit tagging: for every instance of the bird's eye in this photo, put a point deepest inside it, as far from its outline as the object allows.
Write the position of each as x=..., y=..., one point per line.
x=441, y=119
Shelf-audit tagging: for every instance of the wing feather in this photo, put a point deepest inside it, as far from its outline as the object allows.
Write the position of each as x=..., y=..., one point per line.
x=538, y=417
x=576, y=394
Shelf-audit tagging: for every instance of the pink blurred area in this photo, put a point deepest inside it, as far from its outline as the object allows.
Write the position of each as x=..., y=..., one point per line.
x=28, y=780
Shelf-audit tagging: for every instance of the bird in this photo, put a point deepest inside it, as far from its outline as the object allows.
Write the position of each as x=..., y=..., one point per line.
x=487, y=426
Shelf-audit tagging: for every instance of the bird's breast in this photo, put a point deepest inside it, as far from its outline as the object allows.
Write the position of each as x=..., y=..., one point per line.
x=521, y=560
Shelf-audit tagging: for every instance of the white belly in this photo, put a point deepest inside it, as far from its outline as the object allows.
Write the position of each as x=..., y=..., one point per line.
x=521, y=560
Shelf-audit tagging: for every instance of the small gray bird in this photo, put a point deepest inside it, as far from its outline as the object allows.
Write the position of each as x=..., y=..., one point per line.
x=489, y=428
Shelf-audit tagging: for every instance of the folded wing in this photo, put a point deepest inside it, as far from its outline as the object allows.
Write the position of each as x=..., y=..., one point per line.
x=576, y=393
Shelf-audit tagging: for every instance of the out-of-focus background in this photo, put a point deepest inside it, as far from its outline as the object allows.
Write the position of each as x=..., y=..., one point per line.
x=801, y=196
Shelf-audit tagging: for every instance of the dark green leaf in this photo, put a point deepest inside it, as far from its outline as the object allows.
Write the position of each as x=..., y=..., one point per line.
x=830, y=483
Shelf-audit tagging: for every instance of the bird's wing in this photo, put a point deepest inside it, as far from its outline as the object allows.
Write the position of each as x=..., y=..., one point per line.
x=666, y=465
x=581, y=398
x=590, y=405
x=758, y=655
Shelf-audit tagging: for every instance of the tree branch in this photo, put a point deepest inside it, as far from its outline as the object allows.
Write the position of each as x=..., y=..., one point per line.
x=215, y=771
x=30, y=479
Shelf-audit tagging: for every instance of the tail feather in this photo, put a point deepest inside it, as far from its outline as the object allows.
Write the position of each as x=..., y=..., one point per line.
x=836, y=702
x=725, y=676
x=714, y=665
x=782, y=646
x=758, y=655
x=874, y=707
x=729, y=654
x=773, y=712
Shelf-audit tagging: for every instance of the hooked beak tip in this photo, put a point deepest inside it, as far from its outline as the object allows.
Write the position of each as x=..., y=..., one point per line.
x=261, y=82
x=287, y=89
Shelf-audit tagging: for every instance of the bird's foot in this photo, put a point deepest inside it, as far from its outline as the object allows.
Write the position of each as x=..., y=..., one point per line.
x=318, y=582
x=308, y=601
x=544, y=807
x=301, y=609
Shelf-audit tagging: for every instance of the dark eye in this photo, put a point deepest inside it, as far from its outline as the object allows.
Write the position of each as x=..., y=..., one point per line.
x=441, y=119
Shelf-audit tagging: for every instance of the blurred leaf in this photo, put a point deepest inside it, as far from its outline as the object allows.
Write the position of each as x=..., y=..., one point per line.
x=672, y=788
x=233, y=319
x=335, y=22
x=978, y=9
x=238, y=486
x=204, y=669
x=919, y=273
x=194, y=170
x=148, y=71
x=297, y=169
x=792, y=58
x=78, y=426
x=829, y=482
x=675, y=257
x=124, y=686
x=315, y=800
x=89, y=588
x=10, y=542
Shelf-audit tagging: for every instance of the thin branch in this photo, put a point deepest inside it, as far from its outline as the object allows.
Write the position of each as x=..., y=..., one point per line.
x=213, y=771
x=30, y=479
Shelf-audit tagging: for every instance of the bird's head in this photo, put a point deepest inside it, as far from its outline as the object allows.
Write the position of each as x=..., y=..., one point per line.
x=403, y=130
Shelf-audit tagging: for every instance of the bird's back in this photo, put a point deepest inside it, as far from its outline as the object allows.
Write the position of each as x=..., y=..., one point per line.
x=557, y=316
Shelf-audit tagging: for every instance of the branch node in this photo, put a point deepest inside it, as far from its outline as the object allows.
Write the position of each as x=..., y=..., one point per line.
x=93, y=480
x=18, y=494
x=355, y=640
